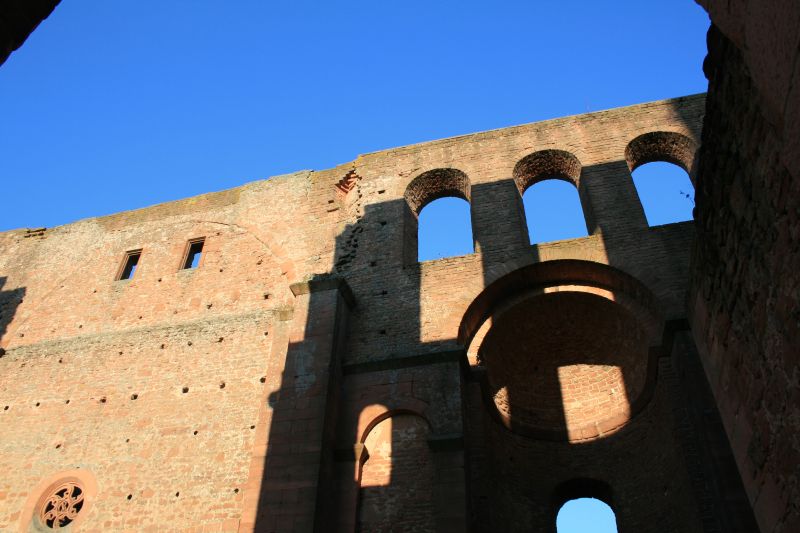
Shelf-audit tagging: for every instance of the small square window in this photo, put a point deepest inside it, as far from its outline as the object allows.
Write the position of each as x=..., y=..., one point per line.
x=194, y=251
x=129, y=264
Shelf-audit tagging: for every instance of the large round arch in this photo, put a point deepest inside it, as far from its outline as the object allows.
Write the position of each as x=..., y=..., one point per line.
x=566, y=348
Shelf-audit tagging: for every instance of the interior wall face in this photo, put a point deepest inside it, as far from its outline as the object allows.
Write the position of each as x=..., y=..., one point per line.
x=563, y=361
x=309, y=376
x=574, y=362
x=642, y=464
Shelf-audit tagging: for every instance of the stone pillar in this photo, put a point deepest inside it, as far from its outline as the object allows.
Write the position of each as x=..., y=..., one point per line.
x=348, y=483
x=296, y=473
x=498, y=222
x=611, y=204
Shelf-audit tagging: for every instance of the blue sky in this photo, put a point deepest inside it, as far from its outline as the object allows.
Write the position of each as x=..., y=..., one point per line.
x=586, y=515
x=117, y=105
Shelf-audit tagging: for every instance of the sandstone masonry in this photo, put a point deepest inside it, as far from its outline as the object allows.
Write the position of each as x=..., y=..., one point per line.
x=311, y=375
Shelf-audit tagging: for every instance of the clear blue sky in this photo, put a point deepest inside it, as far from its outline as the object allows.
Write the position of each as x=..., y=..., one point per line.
x=117, y=105
x=586, y=515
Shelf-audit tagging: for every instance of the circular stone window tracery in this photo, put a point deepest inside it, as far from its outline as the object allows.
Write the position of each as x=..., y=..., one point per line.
x=61, y=501
x=62, y=505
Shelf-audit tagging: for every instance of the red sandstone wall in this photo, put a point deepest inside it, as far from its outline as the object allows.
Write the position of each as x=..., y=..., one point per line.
x=423, y=293
x=745, y=285
x=397, y=479
x=644, y=464
x=94, y=370
x=60, y=301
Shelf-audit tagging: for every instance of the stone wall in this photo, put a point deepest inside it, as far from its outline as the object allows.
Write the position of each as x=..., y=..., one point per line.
x=745, y=288
x=323, y=368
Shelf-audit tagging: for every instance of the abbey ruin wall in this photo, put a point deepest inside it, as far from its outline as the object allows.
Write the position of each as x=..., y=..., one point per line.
x=253, y=392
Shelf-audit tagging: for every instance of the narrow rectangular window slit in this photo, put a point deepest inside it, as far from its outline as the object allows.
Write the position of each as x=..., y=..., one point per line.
x=129, y=264
x=193, y=253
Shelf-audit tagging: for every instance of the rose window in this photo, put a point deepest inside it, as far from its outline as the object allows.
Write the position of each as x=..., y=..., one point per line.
x=62, y=506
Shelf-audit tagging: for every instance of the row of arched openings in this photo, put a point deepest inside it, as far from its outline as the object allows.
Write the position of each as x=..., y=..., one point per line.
x=548, y=182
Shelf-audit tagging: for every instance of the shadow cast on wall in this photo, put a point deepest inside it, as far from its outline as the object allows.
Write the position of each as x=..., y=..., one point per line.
x=9, y=301
x=372, y=422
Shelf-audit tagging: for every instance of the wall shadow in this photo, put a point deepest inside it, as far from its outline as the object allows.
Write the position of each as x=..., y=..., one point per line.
x=706, y=451
x=549, y=352
x=387, y=372
x=397, y=479
x=659, y=257
x=564, y=366
x=9, y=301
x=356, y=339
x=310, y=481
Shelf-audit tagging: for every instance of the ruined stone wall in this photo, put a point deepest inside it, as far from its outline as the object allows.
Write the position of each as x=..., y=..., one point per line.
x=405, y=323
x=153, y=384
x=309, y=325
x=374, y=241
x=745, y=284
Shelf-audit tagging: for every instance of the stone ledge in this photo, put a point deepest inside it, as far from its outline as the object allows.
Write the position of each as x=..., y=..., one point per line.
x=430, y=358
x=320, y=283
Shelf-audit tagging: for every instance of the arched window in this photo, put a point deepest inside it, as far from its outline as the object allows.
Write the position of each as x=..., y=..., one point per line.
x=548, y=181
x=665, y=191
x=662, y=163
x=397, y=480
x=553, y=211
x=586, y=515
x=437, y=216
x=445, y=229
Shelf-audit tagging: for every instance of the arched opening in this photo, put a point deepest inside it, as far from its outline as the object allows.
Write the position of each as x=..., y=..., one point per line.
x=397, y=479
x=584, y=505
x=663, y=164
x=549, y=182
x=553, y=211
x=445, y=229
x=586, y=515
x=447, y=226
x=665, y=191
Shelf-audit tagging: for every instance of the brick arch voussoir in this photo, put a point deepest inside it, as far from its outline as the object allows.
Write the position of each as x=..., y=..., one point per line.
x=518, y=277
x=435, y=184
x=575, y=488
x=667, y=146
x=377, y=412
x=544, y=165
